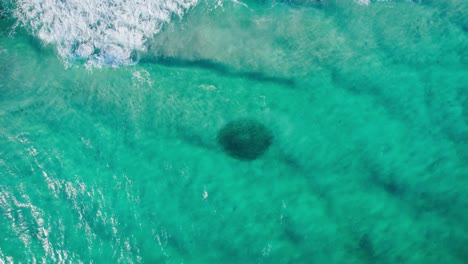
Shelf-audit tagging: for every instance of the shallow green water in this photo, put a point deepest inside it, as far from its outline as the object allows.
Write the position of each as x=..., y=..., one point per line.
x=367, y=104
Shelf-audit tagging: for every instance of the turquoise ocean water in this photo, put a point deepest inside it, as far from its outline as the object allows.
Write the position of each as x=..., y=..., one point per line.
x=110, y=113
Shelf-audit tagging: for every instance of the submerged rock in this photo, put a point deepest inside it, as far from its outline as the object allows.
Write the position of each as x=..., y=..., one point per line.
x=245, y=139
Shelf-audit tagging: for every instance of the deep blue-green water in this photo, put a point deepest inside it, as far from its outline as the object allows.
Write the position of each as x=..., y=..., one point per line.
x=112, y=116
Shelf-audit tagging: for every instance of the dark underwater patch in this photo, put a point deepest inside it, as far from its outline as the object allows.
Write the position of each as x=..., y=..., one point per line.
x=245, y=139
x=219, y=68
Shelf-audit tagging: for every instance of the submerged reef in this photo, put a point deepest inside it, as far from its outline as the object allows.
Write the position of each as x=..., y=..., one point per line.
x=245, y=139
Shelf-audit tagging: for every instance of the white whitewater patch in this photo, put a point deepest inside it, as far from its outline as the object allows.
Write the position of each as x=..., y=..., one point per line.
x=363, y=2
x=104, y=32
x=368, y=2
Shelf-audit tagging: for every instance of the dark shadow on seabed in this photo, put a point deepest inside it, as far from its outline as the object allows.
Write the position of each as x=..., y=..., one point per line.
x=220, y=68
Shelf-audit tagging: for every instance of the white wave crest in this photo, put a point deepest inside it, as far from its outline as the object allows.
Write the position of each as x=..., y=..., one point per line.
x=105, y=32
x=363, y=2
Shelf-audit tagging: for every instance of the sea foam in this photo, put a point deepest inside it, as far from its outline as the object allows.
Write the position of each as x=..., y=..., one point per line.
x=108, y=32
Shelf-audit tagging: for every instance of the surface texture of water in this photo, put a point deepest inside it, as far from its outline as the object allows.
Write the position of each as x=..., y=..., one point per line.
x=108, y=135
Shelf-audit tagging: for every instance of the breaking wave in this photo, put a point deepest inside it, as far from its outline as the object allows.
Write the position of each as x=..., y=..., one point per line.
x=107, y=32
